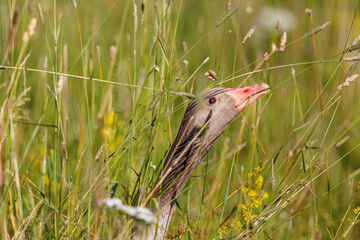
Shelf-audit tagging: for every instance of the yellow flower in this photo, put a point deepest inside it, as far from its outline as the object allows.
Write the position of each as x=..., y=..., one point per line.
x=108, y=131
x=254, y=193
x=255, y=203
x=258, y=168
x=259, y=182
x=265, y=196
x=356, y=210
x=245, y=212
x=238, y=225
x=110, y=120
x=223, y=231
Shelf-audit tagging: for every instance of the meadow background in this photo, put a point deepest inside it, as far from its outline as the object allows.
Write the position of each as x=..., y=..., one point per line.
x=92, y=94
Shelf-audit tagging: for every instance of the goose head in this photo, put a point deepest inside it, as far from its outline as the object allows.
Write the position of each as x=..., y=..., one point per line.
x=205, y=119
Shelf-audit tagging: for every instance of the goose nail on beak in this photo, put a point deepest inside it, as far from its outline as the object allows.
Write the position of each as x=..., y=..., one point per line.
x=245, y=96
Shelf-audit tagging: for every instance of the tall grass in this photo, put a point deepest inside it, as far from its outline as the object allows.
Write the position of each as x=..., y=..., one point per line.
x=92, y=94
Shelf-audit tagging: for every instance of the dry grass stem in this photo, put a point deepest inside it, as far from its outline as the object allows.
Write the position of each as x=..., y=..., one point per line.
x=40, y=11
x=356, y=40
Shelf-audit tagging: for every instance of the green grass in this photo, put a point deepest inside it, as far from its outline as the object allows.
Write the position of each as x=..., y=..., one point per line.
x=67, y=104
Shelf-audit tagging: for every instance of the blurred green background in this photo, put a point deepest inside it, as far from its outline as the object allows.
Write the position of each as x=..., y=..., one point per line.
x=89, y=97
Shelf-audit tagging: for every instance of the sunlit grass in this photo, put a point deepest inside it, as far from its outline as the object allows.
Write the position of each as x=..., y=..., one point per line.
x=93, y=92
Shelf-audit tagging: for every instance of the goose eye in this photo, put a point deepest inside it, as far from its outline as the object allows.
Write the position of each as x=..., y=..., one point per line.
x=212, y=100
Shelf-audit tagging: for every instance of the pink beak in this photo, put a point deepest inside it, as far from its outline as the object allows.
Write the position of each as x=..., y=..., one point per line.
x=245, y=96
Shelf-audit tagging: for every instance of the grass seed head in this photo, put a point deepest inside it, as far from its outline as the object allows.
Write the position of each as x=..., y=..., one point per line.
x=354, y=58
x=156, y=68
x=249, y=9
x=308, y=11
x=347, y=81
x=32, y=26
x=227, y=15
x=266, y=56
x=249, y=34
x=352, y=48
x=211, y=75
x=316, y=30
x=278, y=23
x=283, y=41
x=31, y=30
x=25, y=37
x=342, y=141
x=60, y=84
x=273, y=47
x=98, y=154
x=113, y=51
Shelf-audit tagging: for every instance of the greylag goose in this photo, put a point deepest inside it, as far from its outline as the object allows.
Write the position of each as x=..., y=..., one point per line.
x=205, y=119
